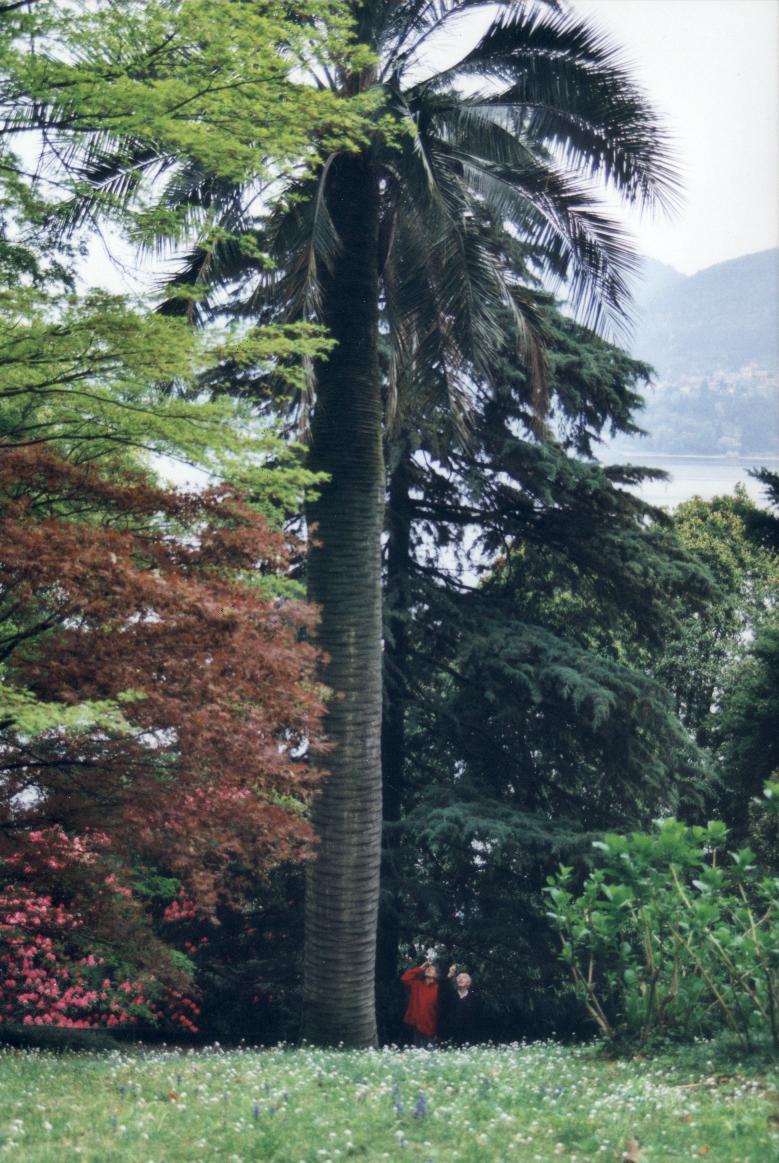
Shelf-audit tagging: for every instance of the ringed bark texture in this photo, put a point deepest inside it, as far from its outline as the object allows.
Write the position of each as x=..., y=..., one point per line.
x=344, y=572
x=397, y=613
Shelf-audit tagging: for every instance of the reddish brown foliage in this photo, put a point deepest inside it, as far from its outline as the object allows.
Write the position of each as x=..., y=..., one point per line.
x=98, y=597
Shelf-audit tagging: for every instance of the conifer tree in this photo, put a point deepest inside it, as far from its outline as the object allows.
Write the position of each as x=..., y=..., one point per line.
x=526, y=591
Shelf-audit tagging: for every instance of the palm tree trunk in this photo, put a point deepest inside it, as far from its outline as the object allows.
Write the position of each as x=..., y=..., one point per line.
x=393, y=734
x=344, y=579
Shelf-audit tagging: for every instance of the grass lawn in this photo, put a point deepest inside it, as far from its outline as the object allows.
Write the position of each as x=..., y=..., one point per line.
x=530, y=1103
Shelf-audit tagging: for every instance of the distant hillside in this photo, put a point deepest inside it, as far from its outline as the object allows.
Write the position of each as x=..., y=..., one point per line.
x=719, y=319
x=713, y=340
x=655, y=280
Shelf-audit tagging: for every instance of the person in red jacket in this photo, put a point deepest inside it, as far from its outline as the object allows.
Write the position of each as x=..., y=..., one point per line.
x=422, y=1009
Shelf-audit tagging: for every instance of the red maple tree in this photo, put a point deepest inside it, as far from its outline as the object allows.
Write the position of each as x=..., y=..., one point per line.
x=157, y=603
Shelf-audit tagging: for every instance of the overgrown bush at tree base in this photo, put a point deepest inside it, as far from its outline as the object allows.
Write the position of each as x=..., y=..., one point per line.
x=671, y=935
x=247, y=959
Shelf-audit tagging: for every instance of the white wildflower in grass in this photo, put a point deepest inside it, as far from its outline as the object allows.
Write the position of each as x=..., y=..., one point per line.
x=522, y=1102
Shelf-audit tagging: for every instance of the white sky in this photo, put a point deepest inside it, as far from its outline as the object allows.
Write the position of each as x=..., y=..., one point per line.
x=712, y=68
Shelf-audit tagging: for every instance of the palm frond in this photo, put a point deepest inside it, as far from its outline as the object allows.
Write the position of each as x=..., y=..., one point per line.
x=551, y=211
x=301, y=239
x=408, y=25
x=107, y=175
x=565, y=83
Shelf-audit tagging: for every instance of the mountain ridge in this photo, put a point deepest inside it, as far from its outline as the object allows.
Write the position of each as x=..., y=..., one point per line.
x=712, y=339
x=719, y=319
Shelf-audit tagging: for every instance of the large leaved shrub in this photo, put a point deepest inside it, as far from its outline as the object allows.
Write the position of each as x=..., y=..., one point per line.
x=671, y=935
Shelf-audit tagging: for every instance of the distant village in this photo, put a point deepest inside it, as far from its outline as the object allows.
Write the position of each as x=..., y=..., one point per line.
x=722, y=413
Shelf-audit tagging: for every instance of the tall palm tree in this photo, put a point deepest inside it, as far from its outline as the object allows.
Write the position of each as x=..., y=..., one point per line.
x=385, y=246
x=388, y=242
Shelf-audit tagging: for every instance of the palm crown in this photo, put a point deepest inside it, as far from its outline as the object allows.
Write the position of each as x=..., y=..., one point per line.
x=521, y=127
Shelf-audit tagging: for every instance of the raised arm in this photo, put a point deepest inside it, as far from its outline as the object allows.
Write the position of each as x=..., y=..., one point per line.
x=408, y=975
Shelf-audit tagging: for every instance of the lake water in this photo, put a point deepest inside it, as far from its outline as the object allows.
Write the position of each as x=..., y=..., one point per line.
x=694, y=476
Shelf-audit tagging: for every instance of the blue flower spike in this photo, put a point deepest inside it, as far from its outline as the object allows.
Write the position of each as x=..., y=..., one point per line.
x=420, y=1110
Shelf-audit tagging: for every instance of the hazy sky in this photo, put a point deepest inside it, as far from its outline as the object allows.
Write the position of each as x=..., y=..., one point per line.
x=712, y=68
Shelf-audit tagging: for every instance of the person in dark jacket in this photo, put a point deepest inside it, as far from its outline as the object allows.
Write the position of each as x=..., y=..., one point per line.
x=459, y=1010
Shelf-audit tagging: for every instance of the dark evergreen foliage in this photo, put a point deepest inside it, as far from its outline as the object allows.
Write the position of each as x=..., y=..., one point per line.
x=747, y=732
x=746, y=728
x=526, y=593
x=763, y=524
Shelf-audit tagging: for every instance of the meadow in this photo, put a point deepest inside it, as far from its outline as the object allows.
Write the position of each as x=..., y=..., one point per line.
x=525, y=1102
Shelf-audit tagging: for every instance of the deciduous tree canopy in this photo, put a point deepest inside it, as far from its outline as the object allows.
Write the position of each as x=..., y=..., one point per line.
x=188, y=696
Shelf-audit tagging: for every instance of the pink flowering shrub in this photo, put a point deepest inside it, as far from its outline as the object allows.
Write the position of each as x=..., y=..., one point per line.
x=180, y=909
x=68, y=961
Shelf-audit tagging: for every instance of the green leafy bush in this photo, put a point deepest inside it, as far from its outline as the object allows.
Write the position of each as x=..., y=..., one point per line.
x=672, y=936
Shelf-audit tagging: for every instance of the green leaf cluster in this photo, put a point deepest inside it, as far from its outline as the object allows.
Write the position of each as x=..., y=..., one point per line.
x=95, y=377
x=22, y=712
x=216, y=85
x=672, y=935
